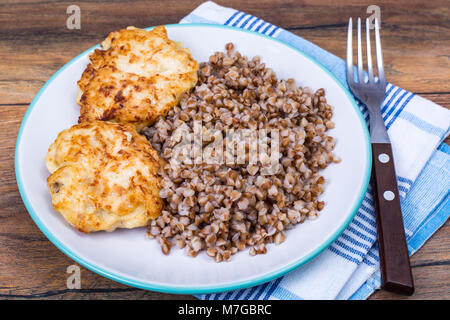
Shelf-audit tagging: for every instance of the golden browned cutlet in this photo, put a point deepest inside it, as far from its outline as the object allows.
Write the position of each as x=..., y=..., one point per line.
x=104, y=176
x=136, y=76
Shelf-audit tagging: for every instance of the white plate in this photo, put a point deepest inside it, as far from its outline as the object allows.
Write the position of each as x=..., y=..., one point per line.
x=127, y=255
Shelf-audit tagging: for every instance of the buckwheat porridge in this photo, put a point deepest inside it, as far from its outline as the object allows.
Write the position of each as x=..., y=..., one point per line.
x=225, y=206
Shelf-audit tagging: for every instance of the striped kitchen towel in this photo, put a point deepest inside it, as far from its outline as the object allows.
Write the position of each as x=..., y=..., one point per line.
x=349, y=268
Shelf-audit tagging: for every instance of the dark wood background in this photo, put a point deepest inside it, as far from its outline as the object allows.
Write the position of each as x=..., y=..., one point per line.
x=35, y=43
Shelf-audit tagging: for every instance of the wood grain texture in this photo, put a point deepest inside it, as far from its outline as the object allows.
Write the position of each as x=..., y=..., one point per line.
x=395, y=267
x=35, y=43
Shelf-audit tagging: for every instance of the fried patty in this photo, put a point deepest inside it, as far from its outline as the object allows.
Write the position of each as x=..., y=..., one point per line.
x=104, y=176
x=136, y=76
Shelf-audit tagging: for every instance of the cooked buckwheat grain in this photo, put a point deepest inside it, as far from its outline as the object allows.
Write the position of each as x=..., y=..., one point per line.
x=225, y=208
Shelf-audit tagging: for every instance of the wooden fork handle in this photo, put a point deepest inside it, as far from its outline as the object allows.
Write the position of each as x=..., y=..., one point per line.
x=395, y=268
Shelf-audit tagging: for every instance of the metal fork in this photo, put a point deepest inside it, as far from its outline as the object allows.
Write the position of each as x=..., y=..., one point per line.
x=395, y=267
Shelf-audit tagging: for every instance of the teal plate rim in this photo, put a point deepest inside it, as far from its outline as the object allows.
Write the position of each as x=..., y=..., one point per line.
x=204, y=289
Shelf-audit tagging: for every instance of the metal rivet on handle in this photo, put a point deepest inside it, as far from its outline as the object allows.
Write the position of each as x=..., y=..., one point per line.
x=388, y=195
x=383, y=158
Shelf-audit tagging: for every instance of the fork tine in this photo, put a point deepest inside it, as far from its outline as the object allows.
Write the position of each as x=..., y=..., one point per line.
x=369, y=53
x=360, y=60
x=349, y=52
x=380, y=66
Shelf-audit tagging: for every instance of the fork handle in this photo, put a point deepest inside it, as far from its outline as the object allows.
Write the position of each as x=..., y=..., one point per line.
x=395, y=267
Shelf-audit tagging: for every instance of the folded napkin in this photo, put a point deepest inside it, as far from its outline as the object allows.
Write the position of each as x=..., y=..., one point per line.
x=349, y=268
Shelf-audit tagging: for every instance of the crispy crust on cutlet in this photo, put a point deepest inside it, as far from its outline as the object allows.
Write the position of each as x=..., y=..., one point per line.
x=104, y=176
x=137, y=76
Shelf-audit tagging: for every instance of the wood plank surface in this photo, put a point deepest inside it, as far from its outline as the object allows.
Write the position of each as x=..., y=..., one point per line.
x=35, y=43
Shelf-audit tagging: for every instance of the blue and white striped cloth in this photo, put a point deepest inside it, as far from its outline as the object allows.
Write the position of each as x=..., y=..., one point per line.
x=349, y=268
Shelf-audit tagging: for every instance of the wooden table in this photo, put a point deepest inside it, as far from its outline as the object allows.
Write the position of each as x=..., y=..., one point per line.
x=35, y=43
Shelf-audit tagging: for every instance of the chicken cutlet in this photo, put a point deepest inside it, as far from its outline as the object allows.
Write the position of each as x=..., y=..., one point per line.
x=136, y=76
x=104, y=176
